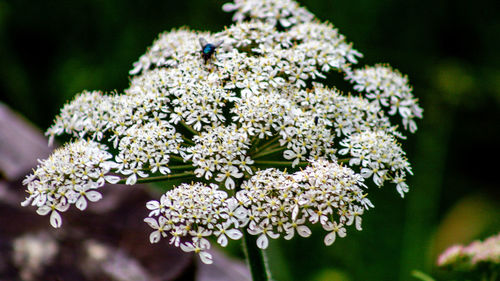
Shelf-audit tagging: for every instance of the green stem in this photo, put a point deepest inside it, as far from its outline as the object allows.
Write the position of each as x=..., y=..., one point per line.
x=268, y=152
x=256, y=258
x=172, y=167
x=181, y=167
x=187, y=140
x=161, y=178
x=189, y=128
x=280, y=163
x=271, y=146
x=266, y=145
x=343, y=160
x=179, y=158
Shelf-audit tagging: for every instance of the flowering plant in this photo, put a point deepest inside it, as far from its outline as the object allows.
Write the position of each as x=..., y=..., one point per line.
x=479, y=260
x=264, y=148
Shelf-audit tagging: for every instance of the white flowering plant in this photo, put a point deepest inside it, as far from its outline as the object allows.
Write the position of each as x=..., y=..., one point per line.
x=244, y=118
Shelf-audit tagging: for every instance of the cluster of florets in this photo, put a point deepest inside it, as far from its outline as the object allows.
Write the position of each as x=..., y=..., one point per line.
x=282, y=204
x=236, y=116
x=388, y=88
x=380, y=157
x=87, y=113
x=271, y=202
x=69, y=176
x=222, y=151
x=283, y=12
x=197, y=211
x=471, y=257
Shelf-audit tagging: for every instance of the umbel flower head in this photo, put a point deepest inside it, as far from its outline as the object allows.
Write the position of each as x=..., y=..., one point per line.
x=245, y=120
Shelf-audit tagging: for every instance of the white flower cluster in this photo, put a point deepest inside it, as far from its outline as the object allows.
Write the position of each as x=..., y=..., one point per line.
x=146, y=148
x=196, y=211
x=88, y=112
x=234, y=116
x=167, y=50
x=284, y=12
x=70, y=175
x=221, y=151
x=388, y=88
x=280, y=204
x=380, y=157
x=271, y=202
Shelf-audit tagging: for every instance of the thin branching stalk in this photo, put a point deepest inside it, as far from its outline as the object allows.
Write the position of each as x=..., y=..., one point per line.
x=161, y=178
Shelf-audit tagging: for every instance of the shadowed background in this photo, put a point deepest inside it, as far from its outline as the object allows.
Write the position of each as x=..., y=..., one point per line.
x=51, y=50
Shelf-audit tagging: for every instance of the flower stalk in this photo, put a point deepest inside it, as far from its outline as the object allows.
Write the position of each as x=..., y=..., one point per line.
x=256, y=259
x=161, y=178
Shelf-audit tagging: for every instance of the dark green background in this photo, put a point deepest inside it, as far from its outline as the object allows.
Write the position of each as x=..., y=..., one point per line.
x=51, y=50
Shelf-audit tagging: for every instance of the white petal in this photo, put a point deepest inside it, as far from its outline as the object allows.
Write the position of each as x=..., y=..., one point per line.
x=222, y=240
x=137, y=67
x=220, y=177
x=100, y=182
x=288, y=154
x=28, y=201
x=323, y=219
x=112, y=179
x=43, y=210
x=55, y=219
x=241, y=212
x=285, y=22
x=262, y=241
x=62, y=207
x=175, y=241
x=230, y=183
x=164, y=170
x=204, y=243
x=154, y=237
x=153, y=205
x=152, y=223
x=228, y=7
x=187, y=247
x=81, y=203
x=206, y=258
x=253, y=230
x=330, y=238
x=131, y=180
x=328, y=226
x=295, y=212
x=234, y=234
x=94, y=196
x=358, y=223
x=273, y=235
x=303, y=231
x=366, y=173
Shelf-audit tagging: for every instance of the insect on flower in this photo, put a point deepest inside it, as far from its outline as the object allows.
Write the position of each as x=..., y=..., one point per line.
x=208, y=49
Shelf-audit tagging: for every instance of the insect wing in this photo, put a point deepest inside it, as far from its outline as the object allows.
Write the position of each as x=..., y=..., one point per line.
x=203, y=42
x=218, y=43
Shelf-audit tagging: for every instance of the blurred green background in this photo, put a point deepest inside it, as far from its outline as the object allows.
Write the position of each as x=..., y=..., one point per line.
x=51, y=50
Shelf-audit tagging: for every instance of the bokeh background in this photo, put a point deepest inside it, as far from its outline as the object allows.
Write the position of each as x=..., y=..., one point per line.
x=51, y=50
